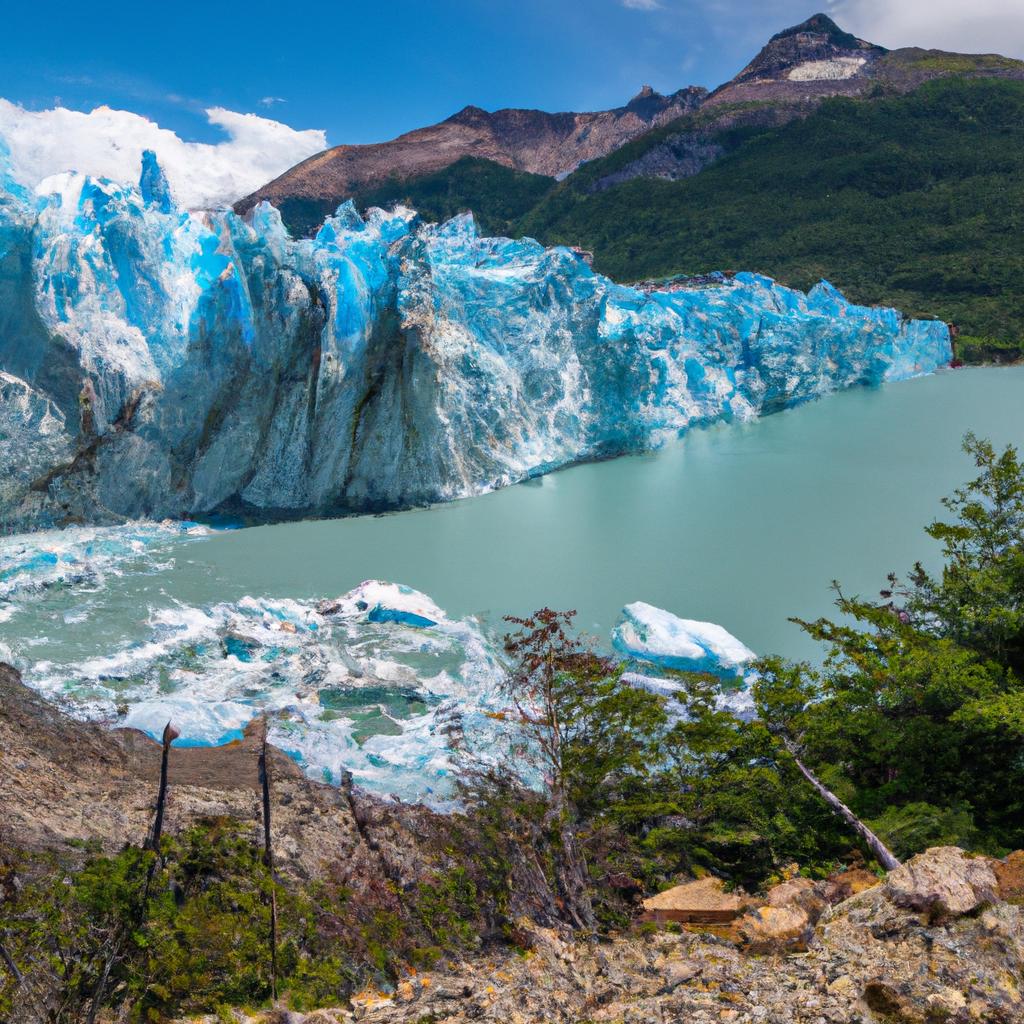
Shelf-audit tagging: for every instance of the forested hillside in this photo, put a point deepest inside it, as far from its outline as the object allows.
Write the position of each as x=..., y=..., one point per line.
x=916, y=202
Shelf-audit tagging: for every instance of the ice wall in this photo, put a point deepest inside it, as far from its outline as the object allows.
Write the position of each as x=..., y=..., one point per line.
x=186, y=363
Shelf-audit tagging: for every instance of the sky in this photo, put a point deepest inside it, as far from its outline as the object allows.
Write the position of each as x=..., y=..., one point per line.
x=367, y=71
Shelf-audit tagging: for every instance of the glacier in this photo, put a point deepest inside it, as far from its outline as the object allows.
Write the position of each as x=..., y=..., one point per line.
x=160, y=363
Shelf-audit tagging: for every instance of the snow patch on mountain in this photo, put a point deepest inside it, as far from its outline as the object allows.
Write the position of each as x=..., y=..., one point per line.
x=826, y=70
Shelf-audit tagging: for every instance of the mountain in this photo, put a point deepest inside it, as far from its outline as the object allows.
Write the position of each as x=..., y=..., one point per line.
x=157, y=362
x=676, y=136
x=552, y=145
x=896, y=174
x=793, y=74
x=914, y=200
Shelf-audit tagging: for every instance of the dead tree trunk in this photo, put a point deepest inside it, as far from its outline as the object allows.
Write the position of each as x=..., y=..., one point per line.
x=882, y=853
x=268, y=858
x=119, y=941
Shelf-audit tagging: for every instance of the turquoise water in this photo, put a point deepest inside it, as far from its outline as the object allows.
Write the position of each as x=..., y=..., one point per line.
x=744, y=525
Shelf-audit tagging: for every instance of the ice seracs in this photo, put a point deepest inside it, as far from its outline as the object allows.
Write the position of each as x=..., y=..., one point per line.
x=205, y=362
x=653, y=635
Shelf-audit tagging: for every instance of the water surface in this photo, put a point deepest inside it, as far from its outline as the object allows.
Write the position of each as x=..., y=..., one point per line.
x=744, y=525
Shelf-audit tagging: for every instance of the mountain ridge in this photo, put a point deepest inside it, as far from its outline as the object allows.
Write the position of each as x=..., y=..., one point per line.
x=793, y=73
x=534, y=141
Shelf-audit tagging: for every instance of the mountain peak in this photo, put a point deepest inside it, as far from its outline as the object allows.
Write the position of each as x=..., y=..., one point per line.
x=822, y=25
x=817, y=40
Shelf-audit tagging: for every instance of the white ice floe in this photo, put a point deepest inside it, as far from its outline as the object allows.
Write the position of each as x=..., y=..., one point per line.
x=654, y=635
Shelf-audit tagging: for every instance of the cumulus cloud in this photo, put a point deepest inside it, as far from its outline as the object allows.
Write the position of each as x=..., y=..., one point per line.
x=109, y=143
x=982, y=26
x=269, y=101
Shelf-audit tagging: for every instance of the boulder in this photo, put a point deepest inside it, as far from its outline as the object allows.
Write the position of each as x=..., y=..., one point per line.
x=1009, y=874
x=801, y=893
x=943, y=882
x=787, y=929
x=677, y=973
x=844, y=884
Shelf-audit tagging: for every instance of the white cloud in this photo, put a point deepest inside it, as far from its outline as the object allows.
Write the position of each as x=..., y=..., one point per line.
x=269, y=101
x=981, y=26
x=642, y=5
x=109, y=143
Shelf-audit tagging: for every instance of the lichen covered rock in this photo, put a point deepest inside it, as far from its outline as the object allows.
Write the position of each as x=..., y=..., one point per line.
x=943, y=882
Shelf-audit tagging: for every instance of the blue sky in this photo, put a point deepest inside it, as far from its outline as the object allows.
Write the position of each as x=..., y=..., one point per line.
x=368, y=71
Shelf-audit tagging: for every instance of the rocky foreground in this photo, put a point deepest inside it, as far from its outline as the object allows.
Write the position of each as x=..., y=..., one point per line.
x=934, y=942
x=940, y=939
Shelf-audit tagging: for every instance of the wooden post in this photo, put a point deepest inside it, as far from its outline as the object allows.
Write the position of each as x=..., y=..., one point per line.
x=153, y=842
x=268, y=856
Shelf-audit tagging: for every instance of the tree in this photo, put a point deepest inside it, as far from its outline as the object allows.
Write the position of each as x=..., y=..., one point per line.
x=920, y=702
x=578, y=736
x=978, y=600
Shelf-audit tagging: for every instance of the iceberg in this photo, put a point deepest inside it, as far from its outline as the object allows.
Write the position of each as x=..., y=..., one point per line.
x=657, y=637
x=377, y=601
x=164, y=363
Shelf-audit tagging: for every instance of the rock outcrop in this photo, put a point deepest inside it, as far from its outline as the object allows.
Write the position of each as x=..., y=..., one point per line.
x=943, y=882
x=869, y=961
x=68, y=786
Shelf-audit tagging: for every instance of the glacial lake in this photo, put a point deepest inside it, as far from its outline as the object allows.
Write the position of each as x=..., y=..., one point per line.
x=743, y=525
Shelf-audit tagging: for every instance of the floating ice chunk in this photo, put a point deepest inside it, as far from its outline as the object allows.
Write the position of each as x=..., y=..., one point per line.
x=376, y=601
x=201, y=724
x=654, y=635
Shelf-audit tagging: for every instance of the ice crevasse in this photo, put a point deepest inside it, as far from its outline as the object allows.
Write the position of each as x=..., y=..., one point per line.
x=156, y=362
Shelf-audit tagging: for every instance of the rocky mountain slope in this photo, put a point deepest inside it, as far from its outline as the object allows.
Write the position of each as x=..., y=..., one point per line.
x=551, y=145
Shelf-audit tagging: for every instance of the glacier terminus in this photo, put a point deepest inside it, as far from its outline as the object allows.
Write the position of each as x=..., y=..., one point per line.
x=158, y=362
